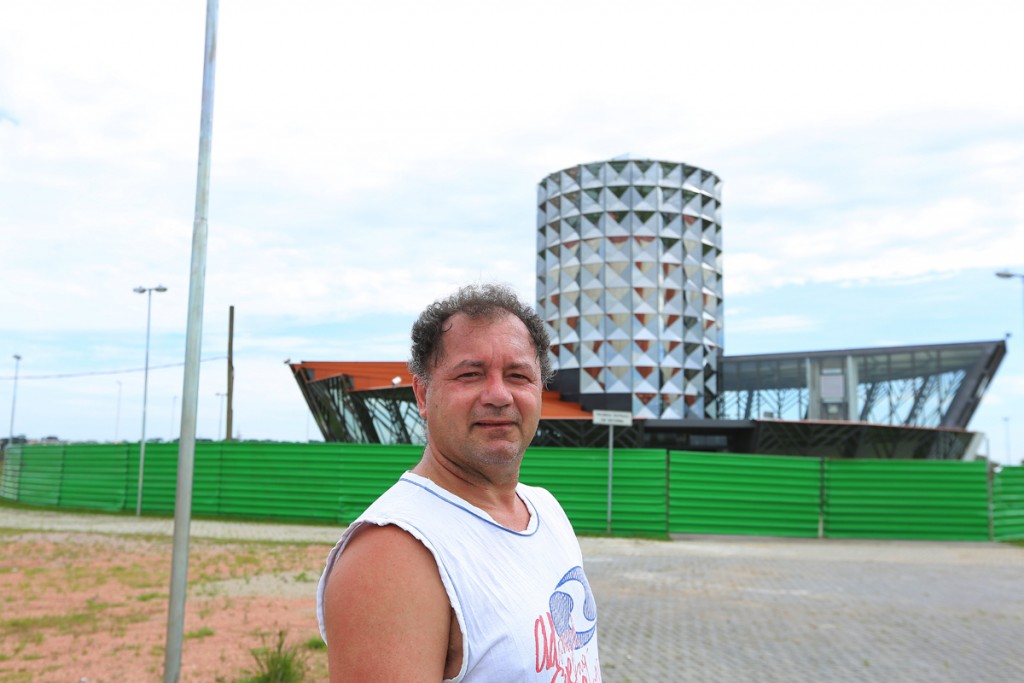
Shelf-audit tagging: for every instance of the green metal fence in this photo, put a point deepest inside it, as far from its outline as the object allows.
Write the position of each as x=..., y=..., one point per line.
x=927, y=499
x=578, y=478
x=319, y=482
x=1008, y=504
x=300, y=482
x=712, y=493
x=654, y=493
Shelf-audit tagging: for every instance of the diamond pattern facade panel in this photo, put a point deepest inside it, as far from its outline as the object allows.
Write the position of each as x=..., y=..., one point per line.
x=629, y=282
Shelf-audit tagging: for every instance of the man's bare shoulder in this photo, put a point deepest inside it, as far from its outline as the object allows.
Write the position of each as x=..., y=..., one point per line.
x=384, y=595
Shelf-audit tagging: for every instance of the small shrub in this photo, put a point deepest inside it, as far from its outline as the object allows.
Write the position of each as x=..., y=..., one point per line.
x=279, y=664
x=316, y=643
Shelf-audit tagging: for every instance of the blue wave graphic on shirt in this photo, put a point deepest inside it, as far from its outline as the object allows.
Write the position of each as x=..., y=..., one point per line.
x=573, y=610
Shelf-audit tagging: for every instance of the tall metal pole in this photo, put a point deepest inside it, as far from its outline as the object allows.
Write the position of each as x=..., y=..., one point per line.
x=611, y=450
x=14, y=398
x=193, y=341
x=231, y=372
x=145, y=391
x=1005, y=274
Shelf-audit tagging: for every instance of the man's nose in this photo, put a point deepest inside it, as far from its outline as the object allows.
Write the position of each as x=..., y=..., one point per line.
x=495, y=392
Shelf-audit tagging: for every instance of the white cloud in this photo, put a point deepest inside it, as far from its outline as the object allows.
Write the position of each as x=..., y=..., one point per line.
x=766, y=325
x=368, y=158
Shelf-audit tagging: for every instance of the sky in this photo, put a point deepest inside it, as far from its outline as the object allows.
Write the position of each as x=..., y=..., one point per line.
x=368, y=158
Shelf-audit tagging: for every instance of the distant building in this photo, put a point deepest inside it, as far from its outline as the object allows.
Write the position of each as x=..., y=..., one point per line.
x=896, y=402
x=629, y=282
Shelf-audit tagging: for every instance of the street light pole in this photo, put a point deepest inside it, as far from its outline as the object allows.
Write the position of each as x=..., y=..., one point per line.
x=1006, y=275
x=145, y=389
x=14, y=398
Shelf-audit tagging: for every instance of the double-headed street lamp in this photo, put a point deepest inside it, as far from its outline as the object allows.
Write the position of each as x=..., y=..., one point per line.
x=145, y=389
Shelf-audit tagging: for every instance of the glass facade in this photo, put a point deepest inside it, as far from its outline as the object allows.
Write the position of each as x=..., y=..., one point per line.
x=903, y=386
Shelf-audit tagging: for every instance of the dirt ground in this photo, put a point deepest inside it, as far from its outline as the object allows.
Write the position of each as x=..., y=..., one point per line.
x=92, y=608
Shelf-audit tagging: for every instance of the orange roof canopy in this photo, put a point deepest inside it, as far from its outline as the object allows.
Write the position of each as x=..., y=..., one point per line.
x=376, y=375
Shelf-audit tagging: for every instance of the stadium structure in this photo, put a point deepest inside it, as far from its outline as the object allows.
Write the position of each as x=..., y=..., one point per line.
x=629, y=284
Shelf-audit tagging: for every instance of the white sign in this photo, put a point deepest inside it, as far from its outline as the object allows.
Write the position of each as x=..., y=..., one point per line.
x=614, y=418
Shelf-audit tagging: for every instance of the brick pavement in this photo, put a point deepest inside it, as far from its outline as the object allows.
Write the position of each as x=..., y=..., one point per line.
x=741, y=609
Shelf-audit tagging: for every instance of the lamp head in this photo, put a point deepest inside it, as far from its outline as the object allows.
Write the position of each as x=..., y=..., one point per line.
x=139, y=290
x=1004, y=274
x=159, y=288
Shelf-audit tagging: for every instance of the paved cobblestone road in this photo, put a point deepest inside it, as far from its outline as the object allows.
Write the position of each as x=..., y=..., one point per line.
x=742, y=609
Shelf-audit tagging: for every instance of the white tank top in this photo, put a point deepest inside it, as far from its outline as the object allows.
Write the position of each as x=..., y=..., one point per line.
x=523, y=602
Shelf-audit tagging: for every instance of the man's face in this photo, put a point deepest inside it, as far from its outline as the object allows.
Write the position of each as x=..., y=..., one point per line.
x=483, y=400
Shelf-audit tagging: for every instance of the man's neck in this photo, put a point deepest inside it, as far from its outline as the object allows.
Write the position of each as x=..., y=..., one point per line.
x=492, y=492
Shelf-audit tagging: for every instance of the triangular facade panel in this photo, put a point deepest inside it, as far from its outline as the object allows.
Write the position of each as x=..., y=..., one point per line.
x=629, y=281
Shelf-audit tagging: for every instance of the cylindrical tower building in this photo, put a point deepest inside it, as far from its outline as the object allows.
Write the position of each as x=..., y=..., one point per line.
x=629, y=282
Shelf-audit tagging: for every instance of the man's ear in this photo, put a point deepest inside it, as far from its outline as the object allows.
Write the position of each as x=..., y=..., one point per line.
x=419, y=388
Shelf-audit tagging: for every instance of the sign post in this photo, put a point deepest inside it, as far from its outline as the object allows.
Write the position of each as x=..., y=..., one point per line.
x=612, y=418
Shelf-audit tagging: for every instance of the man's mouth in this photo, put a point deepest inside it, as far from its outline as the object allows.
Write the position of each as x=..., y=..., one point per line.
x=495, y=423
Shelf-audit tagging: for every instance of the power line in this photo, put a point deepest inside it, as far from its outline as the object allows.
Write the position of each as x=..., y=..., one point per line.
x=68, y=375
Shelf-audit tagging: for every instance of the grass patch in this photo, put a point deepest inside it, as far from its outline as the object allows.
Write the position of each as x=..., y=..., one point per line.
x=203, y=632
x=146, y=597
x=316, y=643
x=31, y=628
x=135, y=576
x=277, y=664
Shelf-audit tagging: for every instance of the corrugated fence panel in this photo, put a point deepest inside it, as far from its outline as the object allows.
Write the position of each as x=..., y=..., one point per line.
x=715, y=493
x=578, y=478
x=160, y=479
x=639, y=500
x=1008, y=504
x=94, y=477
x=279, y=481
x=367, y=471
x=10, y=473
x=42, y=468
x=913, y=499
x=207, y=478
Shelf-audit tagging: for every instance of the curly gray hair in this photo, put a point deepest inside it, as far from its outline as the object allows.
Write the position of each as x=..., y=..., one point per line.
x=486, y=301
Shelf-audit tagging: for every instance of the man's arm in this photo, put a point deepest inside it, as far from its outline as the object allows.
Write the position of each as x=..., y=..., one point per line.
x=386, y=612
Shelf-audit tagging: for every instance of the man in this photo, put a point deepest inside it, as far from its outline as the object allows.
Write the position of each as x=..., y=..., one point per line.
x=459, y=572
